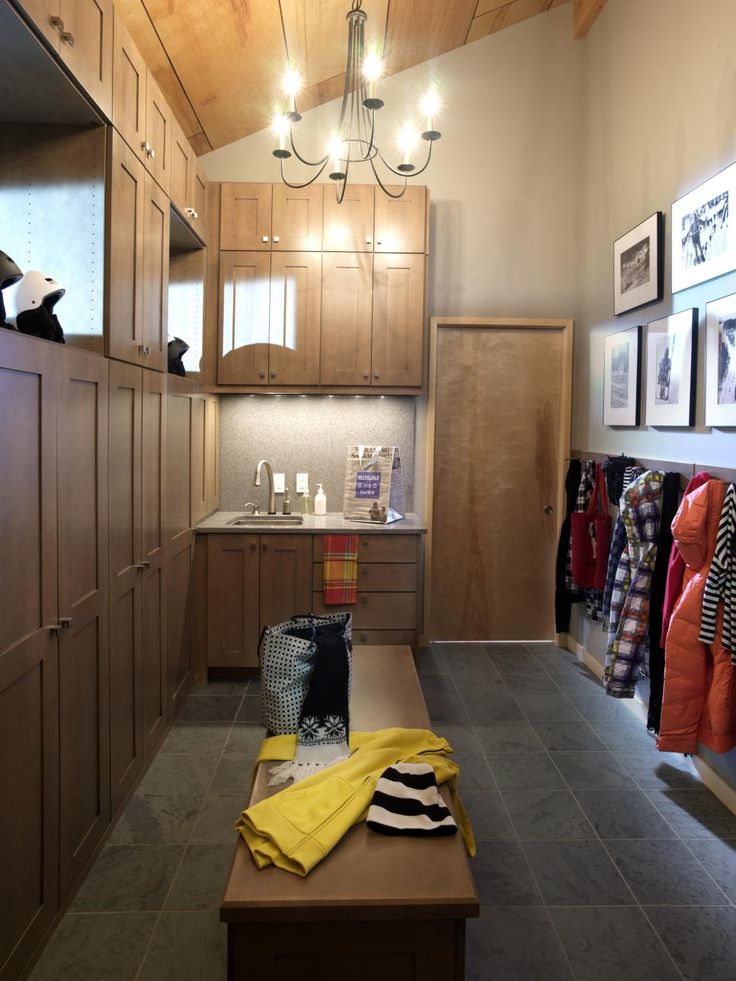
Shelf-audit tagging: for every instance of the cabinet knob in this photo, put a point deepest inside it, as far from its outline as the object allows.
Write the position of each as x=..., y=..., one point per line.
x=273, y=374
x=59, y=23
x=143, y=565
x=253, y=546
x=364, y=599
x=144, y=349
x=146, y=147
x=265, y=238
x=363, y=636
x=151, y=153
x=264, y=548
x=276, y=238
x=191, y=213
x=368, y=240
x=261, y=374
x=68, y=38
x=366, y=374
x=376, y=374
x=65, y=623
x=379, y=242
x=548, y=509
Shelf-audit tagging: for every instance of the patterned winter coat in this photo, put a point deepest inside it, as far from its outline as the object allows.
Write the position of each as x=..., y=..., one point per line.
x=628, y=640
x=699, y=703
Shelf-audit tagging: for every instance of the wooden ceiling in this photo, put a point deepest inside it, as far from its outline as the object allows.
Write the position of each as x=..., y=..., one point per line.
x=220, y=62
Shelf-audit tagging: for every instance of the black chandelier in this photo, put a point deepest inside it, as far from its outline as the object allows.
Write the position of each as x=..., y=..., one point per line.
x=354, y=139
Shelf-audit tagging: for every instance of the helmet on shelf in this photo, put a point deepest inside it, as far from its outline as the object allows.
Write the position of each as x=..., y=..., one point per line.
x=35, y=290
x=9, y=276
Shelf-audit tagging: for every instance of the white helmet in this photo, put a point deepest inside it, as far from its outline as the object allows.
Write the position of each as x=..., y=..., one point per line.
x=35, y=290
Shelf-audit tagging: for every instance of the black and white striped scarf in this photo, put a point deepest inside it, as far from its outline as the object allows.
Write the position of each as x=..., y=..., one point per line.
x=407, y=801
x=721, y=581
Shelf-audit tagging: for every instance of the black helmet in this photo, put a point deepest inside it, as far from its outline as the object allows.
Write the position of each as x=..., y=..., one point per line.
x=9, y=271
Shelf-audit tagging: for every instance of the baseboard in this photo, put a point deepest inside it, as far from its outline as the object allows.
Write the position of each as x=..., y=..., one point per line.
x=712, y=780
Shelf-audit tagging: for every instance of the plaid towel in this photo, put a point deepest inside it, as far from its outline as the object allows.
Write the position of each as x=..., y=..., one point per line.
x=340, y=569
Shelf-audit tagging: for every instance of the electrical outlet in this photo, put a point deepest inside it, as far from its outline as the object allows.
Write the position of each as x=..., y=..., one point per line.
x=279, y=482
x=302, y=483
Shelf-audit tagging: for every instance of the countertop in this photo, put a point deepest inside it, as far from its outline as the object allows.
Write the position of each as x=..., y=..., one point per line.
x=412, y=524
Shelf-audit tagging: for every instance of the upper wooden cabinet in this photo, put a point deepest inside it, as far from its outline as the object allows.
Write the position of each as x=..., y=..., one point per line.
x=296, y=218
x=199, y=198
x=347, y=306
x=128, y=89
x=245, y=217
x=244, y=318
x=183, y=162
x=157, y=144
x=398, y=319
x=401, y=223
x=293, y=354
x=348, y=226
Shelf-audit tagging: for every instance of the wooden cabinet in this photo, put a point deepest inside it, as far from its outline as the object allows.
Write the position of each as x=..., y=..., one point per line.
x=157, y=143
x=199, y=472
x=347, y=309
x=244, y=318
x=199, y=203
x=245, y=217
x=348, y=226
x=253, y=581
x=212, y=452
x=128, y=88
x=398, y=319
x=401, y=223
x=155, y=282
x=296, y=218
x=294, y=335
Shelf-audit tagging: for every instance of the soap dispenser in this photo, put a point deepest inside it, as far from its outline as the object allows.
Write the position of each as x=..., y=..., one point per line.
x=320, y=501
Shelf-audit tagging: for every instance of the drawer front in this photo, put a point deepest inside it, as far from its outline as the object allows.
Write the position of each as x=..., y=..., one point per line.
x=378, y=577
x=383, y=638
x=377, y=611
x=379, y=548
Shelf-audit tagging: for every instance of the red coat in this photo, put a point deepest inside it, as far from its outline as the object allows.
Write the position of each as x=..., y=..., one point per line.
x=699, y=703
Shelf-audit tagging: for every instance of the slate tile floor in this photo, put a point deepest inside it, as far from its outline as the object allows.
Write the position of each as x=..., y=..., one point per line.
x=599, y=859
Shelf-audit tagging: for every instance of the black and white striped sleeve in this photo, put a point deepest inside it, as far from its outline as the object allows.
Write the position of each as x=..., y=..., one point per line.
x=718, y=585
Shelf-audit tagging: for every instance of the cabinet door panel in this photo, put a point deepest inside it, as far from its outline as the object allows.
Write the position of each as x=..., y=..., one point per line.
x=297, y=218
x=232, y=600
x=245, y=217
x=128, y=88
x=199, y=442
x=401, y=223
x=155, y=277
x=178, y=619
x=178, y=466
x=89, y=56
x=199, y=203
x=347, y=306
x=244, y=318
x=398, y=319
x=296, y=287
x=285, y=577
x=41, y=12
x=348, y=226
x=124, y=336
x=158, y=134
x=182, y=162
x=212, y=452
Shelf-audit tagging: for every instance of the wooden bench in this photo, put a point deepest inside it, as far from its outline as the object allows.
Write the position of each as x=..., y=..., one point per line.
x=377, y=907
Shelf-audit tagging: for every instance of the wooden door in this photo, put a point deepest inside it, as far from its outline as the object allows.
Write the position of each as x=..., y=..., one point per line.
x=124, y=448
x=88, y=49
x=244, y=318
x=199, y=472
x=84, y=811
x=158, y=134
x=155, y=282
x=245, y=217
x=41, y=13
x=347, y=308
x=398, y=319
x=29, y=721
x=124, y=273
x=499, y=432
x=285, y=577
x=182, y=162
x=212, y=452
x=401, y=223
x=199, y=202
x=128, y=88
x=153, y=585
x=233, y=628
x=296, y=221
x=294, y=338
x=348, y=226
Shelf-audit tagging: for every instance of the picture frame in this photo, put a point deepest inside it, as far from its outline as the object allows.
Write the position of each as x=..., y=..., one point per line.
x=720, y=362
x=671, y=362
x=622, y=378
x=704, y=231
x=638, y=265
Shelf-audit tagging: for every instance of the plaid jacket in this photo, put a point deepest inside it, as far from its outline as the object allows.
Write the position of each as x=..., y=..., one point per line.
x=628, y=640
x=618, y=544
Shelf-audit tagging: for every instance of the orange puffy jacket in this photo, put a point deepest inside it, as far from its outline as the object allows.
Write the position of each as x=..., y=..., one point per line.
x=699, y=702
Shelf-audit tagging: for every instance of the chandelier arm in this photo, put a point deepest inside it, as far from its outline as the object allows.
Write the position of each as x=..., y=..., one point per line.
x=306, y=183
x=400, y=173
x=341, y=191
x=308, y=163
x=383, y=186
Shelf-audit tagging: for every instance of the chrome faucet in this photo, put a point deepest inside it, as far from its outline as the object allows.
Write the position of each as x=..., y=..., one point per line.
x=257, y=483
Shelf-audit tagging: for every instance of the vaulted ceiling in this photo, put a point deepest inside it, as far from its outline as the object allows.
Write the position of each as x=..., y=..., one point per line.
x=220, y=62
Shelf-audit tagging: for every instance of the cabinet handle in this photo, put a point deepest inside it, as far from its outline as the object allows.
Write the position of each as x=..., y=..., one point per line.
x=364, y=543
x=363, y=636
x=273, y=374
x=59, y=24
x=369, y=240
x=253, y=546
x=376, y=374
x=276, y=238
x=265, y=238
x=191, y=213
x=379, y=242
x=68, y=38
x=53, y=629
x=65, y=623
x=261, y=374
x=264, y=548
x=152, y=154
x=146, y=147
x=364, y=599
x=143, y=565
x=144, y=349
x=366, y=374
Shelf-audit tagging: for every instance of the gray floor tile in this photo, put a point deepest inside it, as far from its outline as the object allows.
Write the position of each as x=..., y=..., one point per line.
x=514, y=943
x=129, y=877
x=187, y=947
x=702, y=942
x=524, y=771
x=568, y=736
x=503, y=648
x=551, y=707
x=488, y=816
x=444, y=708
x=234, y=776
x=245, y=739
x=473, y=673
x=623, y=813
x=448, y=648
x=492, y=706
x=612, y=944
x=96, y=947
x=588, y=770
x=174, y=774
x=516, y=663
x=221, y=686
x=216, y=820
x=660, y=770
x=529, y=684
x=694, y=813
x=508, y=737
x=664, y=873
x=429, y=662
x=200, y=880
x=625, y=736
x=576, y=873
x=196, y=738
x=210, y=708
x=718, y=856
x=547, y=648
x=541, y=814
x=601, y=707
x=438, y=684
x=250, y=710
x=462, y=738
x=149, y=820
x=502, y=876
x=254, y=685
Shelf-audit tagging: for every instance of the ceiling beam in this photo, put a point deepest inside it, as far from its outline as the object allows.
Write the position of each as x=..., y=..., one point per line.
x=584, y=16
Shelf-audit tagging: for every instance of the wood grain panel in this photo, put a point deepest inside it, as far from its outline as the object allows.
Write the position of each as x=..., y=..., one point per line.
x=233, y=627
x=377, y=611
x=500, y=17
x=501, y=393
x=385, y=638
x=398, y=319
x=296, y=218
x=199, y=472
x=422, y=29
x=155, y=282
x=389, y=547
x=178, y=620
x=245, y=216
x=244, y=318
x=585, y=14
x=182, y=168
x=285, y=577
x=401, y=223
x=159, y=126
x=348, y=226
x=378, y=577
x=294, y=334
x=128, y=88
x=89, y=57
x=178, y=465
x=347, y=310
x=212, y=452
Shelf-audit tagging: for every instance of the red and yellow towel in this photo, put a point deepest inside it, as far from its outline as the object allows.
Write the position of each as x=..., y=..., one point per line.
x=340, y=569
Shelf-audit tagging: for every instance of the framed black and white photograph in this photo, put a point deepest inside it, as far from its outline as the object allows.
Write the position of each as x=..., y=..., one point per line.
x=703, y=232
x=671, y=358
x=622, y=378
x=638, y=265
x=720, y=362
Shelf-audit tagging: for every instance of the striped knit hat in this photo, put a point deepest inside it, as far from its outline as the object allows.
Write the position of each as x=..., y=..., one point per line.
x=407, y=801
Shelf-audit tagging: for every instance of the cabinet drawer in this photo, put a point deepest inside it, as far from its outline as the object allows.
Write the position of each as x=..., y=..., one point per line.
x=378, y=577
x=377, y=611
x=378, y=548
x=383, y=638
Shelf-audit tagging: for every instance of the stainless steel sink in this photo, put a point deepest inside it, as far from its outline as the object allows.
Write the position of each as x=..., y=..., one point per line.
x=267, y=520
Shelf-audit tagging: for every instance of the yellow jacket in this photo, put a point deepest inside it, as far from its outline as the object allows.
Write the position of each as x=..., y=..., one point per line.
x=297, y=827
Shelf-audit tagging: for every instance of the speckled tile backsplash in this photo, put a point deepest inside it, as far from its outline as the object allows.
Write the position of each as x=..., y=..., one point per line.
x=307, y=434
